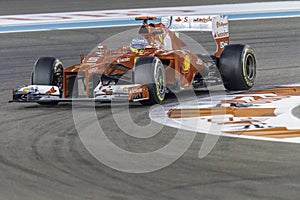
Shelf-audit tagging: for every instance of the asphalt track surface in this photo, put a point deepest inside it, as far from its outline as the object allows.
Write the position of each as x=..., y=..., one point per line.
x=41, y=156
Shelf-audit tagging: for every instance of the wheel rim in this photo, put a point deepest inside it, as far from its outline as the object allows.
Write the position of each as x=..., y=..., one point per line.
x=250, y=66
x=160, y=81
x=58, y=77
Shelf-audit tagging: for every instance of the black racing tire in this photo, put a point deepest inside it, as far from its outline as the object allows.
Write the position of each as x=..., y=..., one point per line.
x=237, y=65
x=48, y=71
x=44, y=71
x=149, y=70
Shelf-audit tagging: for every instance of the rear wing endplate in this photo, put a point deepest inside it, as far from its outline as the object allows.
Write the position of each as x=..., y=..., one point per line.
x=217, y=24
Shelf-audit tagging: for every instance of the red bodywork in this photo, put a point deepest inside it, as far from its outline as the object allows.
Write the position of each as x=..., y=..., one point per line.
x=181, y=66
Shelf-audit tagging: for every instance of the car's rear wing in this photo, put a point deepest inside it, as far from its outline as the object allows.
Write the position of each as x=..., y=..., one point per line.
x=217, y=24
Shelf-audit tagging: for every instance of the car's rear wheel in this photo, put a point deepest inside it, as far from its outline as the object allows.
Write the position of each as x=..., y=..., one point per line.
x=150, y=71
x=237, y=65
x=48, y=71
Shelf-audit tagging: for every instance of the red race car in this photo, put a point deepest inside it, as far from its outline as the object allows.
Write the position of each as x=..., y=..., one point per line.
x=154, y=63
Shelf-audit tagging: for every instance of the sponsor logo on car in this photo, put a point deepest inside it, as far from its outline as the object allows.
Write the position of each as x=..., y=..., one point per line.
x=51, y=91
x=203, y=20
x=222, y=34
x=92, y=59
x=186, y=63
x=120, y=60
x=221, y=24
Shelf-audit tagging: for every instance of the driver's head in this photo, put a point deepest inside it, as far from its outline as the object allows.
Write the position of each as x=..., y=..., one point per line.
x=138, y=44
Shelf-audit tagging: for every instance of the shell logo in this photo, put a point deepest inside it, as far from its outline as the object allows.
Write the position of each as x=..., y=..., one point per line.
x=186, y=63
x=25, y=89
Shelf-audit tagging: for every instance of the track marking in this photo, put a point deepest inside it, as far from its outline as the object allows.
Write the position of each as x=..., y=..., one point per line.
x=258, y=114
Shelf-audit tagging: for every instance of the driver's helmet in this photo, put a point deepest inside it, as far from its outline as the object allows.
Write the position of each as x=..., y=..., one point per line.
x=138, y=44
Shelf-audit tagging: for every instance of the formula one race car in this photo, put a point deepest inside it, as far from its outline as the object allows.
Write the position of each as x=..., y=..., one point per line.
x=156, y=62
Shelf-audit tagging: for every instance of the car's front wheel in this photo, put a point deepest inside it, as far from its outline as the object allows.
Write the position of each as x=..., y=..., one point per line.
x=48, y=71
x=150, y=71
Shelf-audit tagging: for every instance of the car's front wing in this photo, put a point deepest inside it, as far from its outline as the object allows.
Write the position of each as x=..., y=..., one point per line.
x=52, y=94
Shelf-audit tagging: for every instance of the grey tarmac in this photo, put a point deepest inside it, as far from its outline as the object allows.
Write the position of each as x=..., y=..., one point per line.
x=41, y=156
